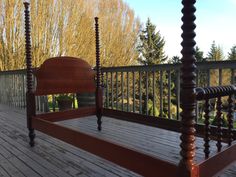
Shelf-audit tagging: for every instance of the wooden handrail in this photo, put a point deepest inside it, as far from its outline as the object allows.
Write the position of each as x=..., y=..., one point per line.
x=217, y=92
x=214, y=92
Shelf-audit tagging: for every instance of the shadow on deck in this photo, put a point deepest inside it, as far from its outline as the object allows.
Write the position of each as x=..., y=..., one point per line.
x=52, y=157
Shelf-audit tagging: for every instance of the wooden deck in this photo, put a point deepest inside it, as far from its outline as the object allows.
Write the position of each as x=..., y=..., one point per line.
x=51, y=157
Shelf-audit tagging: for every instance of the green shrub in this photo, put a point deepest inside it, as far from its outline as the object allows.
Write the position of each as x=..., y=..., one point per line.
x=215, y=122
x=64, y=97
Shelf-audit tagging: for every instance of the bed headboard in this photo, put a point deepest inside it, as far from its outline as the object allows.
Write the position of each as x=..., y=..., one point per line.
x=64, y=75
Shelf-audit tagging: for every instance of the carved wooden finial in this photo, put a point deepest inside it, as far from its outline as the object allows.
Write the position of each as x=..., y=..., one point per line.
x=98, y=65
x=188, y=86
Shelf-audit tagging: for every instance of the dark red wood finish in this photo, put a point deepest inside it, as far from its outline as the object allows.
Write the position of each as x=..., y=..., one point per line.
x=164, y=123
x=230, y=119
x=30, y=99
x=219, y=123
x=207, y=132
x=187, y=93
x=65, y=75
x=99, y=91
x=136, y=161
x=218, y=162
x=68, y=114
x=168, y=124
x=73, y=75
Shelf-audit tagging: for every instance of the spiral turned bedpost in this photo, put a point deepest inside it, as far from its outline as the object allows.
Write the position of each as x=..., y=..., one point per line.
x=98, y=66
x=30, y=103
x=230, y=119
x=188, y=86
x=98, y=77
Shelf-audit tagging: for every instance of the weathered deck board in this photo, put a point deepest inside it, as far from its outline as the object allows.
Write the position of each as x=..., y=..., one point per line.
x=157, y=142
x=72, y=160
x=52, y=157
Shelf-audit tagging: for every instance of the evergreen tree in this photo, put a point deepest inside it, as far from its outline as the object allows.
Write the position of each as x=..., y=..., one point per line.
x=216, y=53
x=175, y=59
x=199, y=54
x=151, y=46
x=232, y=53
x=201, y=77
x=151, y=52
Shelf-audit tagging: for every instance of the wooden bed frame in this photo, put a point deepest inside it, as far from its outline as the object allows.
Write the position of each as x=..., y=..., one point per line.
x=76, y=76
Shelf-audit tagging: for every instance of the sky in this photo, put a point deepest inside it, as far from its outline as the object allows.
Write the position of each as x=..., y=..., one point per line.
x=216, y=21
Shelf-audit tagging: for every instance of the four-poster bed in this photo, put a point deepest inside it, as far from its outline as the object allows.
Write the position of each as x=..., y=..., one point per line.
x=77, y=76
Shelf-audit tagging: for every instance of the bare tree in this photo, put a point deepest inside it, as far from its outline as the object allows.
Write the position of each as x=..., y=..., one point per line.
x=66, y=27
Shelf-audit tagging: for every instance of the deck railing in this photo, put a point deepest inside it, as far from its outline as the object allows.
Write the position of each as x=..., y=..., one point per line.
x=150, y=90
x=13, y=90
x=155, y=90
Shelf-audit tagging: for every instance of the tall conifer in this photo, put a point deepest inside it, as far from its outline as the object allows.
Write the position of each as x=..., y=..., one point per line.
x=216, y=53
x=232, y=53
x=151, y=46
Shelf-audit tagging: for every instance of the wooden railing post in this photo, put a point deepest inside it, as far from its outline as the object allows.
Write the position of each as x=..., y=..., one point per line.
x=161, y=94
x=153, y=93
x=112, y=92
x=169, y=94
x=146, y=92
x=117, y=101
x=122, y=92
x=140, y=92
x=127, y=82
x=30, y=99
x=188, y=93
x=134, y=91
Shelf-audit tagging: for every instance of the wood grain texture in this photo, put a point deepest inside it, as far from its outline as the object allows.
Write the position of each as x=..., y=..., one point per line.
x=126, y=157
x=187, y=92
x=64, y=75
x=30, y=102
x=68, y=114
x=217, y=163
x=167, y=124
x=52, y=157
